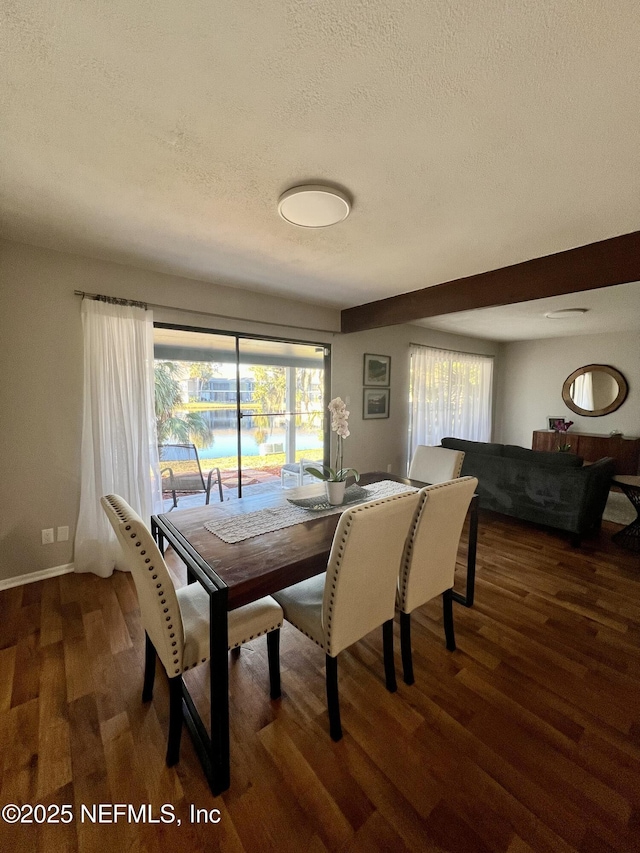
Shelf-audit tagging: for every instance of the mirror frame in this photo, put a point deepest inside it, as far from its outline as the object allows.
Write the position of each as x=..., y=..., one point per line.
x=623, y=390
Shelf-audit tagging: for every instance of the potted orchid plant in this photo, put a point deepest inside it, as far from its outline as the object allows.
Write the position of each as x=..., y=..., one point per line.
x=335, y=478
x=561, y=427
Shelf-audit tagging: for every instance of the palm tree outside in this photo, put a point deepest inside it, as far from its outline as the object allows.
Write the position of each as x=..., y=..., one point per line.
x=173, y=423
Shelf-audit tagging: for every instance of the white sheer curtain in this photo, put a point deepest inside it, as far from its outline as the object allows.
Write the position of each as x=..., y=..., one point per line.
x=119, y=449
x=450, y=394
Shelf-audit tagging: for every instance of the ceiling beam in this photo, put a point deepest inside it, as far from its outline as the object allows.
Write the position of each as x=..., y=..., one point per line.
x=602, y=264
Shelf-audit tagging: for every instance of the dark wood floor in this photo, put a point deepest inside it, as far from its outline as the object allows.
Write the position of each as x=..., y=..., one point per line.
x=525, y=738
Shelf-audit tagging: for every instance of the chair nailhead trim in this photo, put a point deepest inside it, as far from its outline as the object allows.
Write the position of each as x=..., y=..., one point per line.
x=338, y=562
x=409, y=553
x=253, y=637
x=146, y=560
x=302, y=631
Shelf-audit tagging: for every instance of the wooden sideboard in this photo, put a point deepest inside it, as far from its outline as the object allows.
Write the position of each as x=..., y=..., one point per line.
x=591, y=446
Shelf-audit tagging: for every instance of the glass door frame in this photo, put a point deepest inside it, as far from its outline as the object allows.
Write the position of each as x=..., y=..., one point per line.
x=238, y=336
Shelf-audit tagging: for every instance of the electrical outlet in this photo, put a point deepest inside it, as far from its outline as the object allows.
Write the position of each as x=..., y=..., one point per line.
x=389, y=468
x=63, y=534
x=47, y=536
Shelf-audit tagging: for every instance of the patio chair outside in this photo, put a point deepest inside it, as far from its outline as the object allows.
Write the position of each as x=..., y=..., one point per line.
x=297, y=471
x=182, y=473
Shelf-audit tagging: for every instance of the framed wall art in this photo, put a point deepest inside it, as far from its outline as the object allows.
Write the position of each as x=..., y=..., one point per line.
x=375, y=403
x=377, y=369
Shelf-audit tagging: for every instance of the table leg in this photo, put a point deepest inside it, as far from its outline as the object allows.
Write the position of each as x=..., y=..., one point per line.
x=158, y=536
x=467, y=599
x=219, y=686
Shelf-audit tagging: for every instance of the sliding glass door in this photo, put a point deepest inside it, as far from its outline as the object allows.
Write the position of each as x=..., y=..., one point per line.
x=251, y=406
x=282, y=418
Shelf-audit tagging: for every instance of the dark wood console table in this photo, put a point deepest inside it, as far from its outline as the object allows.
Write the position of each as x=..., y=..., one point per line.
x=591, y=446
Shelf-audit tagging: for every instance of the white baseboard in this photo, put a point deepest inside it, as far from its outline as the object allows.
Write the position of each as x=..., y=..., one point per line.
x=32, y=577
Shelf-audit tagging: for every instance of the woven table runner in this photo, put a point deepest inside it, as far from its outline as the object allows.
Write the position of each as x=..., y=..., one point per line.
x=237, y=528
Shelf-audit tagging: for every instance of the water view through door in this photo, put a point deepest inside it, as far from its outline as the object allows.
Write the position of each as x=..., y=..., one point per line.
x=253, y=408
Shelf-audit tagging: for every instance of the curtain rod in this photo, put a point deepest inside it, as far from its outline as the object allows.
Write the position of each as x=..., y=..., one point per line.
x=112, y=300
x=204, y=313
x=447, y=349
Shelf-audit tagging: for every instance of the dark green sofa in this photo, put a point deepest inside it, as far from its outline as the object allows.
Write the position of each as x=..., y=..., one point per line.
x=555, y=489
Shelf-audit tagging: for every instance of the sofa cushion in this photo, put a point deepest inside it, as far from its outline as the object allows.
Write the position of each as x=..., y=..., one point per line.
x=549, y=458
x=482, y=447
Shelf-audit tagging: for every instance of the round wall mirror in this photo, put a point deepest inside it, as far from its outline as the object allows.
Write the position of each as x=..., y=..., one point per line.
x=594, y=390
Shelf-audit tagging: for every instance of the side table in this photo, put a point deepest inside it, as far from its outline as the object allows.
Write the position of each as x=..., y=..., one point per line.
x=629, y=536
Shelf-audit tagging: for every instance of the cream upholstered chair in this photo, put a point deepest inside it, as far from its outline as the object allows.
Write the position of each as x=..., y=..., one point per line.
x=429, y=559
x=357, y=592
x=176, y=622
x=435, y=464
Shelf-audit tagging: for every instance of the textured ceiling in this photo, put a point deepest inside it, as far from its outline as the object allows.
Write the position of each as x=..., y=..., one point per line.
x=471, y=135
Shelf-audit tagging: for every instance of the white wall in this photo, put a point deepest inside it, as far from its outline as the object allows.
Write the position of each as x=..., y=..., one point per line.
x=41, y=378
x=532, y=374
x=375, y=444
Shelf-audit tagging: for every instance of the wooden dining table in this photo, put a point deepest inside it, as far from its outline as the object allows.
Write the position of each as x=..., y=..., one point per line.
x=238, y=573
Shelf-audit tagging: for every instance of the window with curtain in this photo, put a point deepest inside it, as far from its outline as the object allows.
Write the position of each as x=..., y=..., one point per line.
x=119, y=453
x=450, y=395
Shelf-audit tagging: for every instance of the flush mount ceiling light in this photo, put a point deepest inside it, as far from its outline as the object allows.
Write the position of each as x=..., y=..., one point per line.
x=313, y=206
x=565, y=313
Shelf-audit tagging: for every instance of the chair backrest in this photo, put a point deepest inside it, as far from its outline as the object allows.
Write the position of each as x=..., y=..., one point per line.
x=159, y=606
x=429, y=559
x=362, y=572
x=435, y=464
x=183, y=462
x=178, y=452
